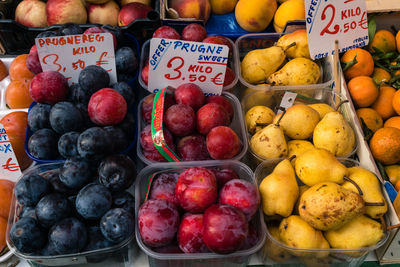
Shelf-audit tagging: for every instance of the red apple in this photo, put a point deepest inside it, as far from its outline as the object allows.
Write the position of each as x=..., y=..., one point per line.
x=225, y=228
x=131, y=12
x=223, y=101
x=242, y=195
x=209, y=116
x=166, y=32
x=163, y=187
x=145, y=73
x=194, y=32
x=190, y=234
x=224, y=175
x=190, y=94
x=106, y=13
x=101, y=30
x=180, y=120
x=198, y=9
x=48, y=87
x=64, y=11
x=193, y=147
x=196, y=189
x=222, y=143
x=158, y=222
x=31, y=13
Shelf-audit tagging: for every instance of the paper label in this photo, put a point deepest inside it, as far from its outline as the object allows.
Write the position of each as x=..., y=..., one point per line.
x=175, y=62
x=9, y=167
x=287, y=101
x=330, y=20
x=70, y=54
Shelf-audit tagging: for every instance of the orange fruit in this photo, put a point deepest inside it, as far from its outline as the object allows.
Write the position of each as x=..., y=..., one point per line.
x=396, y=102
x=15, y=125
x=398, y=41
x=364, y=65
x=370, y=117
x=381, y=76
x=3, y=70
x=385, y=145
x=383, y=104
x=3, y=229
x=383, y=40
x=6, y=191
x=363, y=91
x=17, y=94
x=393, y=122
x=18, y=69
x=397, y=186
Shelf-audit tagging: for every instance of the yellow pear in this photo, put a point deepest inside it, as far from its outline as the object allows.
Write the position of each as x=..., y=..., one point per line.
x=328, y=205
x=255, y=15
x=297, y=147
x=358, y=233
x=295, y=232
x=301, y=47
x=258, y=115
x=302, y=189
x=318, y=165
x=299, y=121
x=274, y=199
x=259, y=64
x=371, y=189
x=335, y=134
x=273, y=250
x=393, y=172
x=322, y=109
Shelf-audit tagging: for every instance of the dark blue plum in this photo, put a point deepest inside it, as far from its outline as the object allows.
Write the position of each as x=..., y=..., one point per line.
x=51, y=209
x=47, y=34
x=96, y=240
x=30, y=189
x=128, y=125
x=93, y=201
x=70, y=29
x=38, y=117
x=74, y=213
x=117, y=172
x=48, y=250
x=68, y=236
x=27, y=235
x=117, y=225
x=94, y=143
x=43, y=144
x=93, y=78
x=65, y=117
x=77, y=95
x=124, y=200
x=75, y=173
x=53, y=178
x=87, y=122
x=118, y=137
x=125, y=77
x=125, y=60
x=28, y=212
x=126, y=91
x=67, y=145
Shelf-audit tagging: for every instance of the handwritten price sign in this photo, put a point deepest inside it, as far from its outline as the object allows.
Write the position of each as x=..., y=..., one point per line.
x=330, y=20
x=175, y=62
x=70, y=54
x=9, y=168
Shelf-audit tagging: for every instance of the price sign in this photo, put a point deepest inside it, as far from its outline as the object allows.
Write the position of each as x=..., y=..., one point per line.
x=330, y=20
x=175, y=62
x=9, y=168
x=72, y=53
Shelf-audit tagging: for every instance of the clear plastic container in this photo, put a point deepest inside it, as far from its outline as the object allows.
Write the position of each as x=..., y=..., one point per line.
x=273, y=99
x=249, y=42
x=275, y=251
x=145, y=56
x=118, y=255
x=236, y=259
x=237, y=125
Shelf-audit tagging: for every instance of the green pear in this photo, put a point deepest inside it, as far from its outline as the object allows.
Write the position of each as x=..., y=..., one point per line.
x=358, y=233
x=318, y=165
x=298, y=71
x=274, y=199
x=259, y=64
x=335, y=134
x=371, y=189
x=299, y=121
x=328, y=206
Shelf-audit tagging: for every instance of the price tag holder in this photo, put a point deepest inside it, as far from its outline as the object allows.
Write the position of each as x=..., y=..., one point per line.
x=330, y=20
x=9, y=168
x=175, y=62
x=72, y=53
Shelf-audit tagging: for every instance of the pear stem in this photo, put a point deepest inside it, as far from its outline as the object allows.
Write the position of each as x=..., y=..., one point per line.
x=377, y=204
x=262, y=124
x=383, y=222
x=360, y=192
x=289, y=46
x=341, y=103
x=292, y=157
x=280, y=118
x=390, y=227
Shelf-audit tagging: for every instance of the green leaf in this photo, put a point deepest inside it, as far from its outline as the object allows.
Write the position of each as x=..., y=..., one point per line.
x=348, y=65
x=371, y=27
x=368, y=133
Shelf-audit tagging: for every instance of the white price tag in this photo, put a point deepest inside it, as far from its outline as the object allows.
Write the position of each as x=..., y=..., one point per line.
x=9, y=168
x=175, y=62
x=72, y=53
x=287, y=101
x=330, y=20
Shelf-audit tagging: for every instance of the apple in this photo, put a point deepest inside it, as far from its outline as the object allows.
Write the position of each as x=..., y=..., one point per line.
x=163, y=187
x=209, y=116
x=64, y=11
x=193, y=147
x=166, y=32
x=48, y=87
x=223, y=101
x=31, y=13
x=180, y=120
x=190, y=94
x=194, y=32
x=190, y=234
x=198, y=9
x=196, y=189
x=222, y=143
x=106, y=13
x=131, y=12
x=225, y=228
